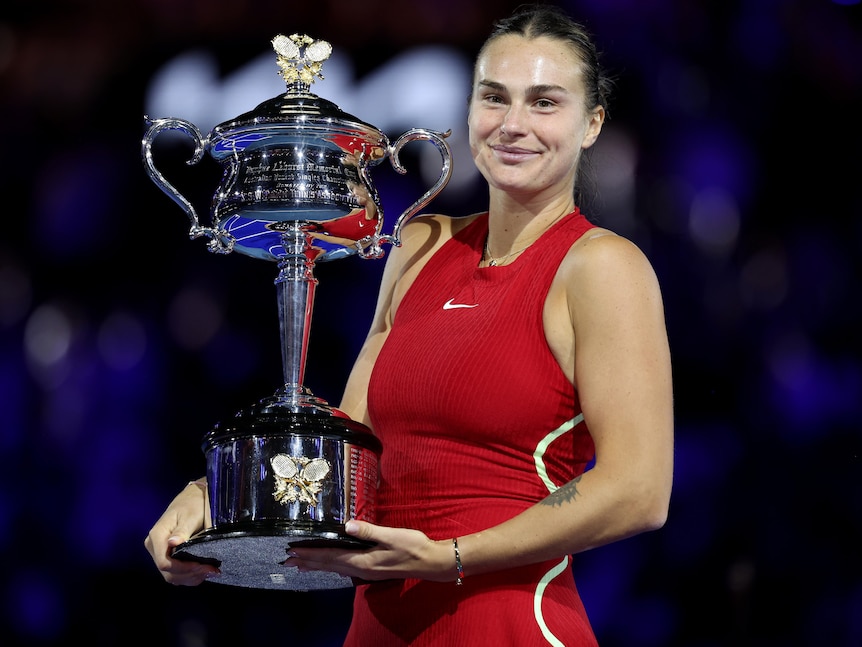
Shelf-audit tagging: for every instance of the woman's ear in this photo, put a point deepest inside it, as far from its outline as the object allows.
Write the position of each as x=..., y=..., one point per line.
x=594, y=127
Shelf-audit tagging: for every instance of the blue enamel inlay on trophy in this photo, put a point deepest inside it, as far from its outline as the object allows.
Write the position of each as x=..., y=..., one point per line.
x=296, y=190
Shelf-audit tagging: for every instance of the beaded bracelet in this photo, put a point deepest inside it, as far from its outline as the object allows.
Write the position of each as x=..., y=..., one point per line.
x=458, y=566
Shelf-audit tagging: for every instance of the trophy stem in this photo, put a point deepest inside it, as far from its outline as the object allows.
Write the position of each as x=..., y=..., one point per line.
x=296, y=286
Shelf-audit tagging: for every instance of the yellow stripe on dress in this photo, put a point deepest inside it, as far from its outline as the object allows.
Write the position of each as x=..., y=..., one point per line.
x=542, y=447
x=538, y=458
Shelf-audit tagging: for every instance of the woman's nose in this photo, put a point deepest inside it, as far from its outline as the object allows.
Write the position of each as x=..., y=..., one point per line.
x=512, y=123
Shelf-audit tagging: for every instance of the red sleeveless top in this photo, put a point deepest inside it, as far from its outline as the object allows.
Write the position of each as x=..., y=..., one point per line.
x=478, y=423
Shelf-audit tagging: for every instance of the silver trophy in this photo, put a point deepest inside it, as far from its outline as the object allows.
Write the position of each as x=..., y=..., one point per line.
x=295, y=189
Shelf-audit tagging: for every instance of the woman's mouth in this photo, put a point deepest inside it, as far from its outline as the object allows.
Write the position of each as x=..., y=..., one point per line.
x=512, y=154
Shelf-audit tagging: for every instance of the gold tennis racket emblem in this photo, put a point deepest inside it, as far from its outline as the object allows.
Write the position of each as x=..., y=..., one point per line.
x=298, y=478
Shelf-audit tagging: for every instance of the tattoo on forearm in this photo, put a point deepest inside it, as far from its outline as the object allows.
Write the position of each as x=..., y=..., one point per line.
x=563, y=494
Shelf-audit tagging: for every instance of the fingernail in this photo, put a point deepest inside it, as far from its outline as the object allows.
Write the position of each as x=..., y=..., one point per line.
x=351, y=527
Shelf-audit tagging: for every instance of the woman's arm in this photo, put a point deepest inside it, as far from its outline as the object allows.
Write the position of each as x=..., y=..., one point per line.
x=610, y=311
x=622, y=373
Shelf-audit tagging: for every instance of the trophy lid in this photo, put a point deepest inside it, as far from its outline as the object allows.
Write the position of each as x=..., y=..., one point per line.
x=299, y=112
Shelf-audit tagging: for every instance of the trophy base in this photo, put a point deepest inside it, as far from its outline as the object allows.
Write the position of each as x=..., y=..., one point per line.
x=257, y=557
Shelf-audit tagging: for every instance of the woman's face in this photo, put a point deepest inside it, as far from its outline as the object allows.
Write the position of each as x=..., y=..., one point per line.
x=528, y=123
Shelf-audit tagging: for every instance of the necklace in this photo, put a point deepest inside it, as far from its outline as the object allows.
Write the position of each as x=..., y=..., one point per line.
x=494, y=262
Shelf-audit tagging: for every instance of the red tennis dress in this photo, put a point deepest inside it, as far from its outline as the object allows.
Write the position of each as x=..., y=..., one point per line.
x=478, y=423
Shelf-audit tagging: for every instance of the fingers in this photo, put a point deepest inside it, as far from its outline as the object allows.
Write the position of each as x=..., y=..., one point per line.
x=383, y=560
x=184, y=517
x=189, y=573
x=176, y=571
x=185, y=572
x=362, y=530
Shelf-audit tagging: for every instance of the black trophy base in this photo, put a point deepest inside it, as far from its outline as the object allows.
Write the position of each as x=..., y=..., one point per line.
x=257, y=557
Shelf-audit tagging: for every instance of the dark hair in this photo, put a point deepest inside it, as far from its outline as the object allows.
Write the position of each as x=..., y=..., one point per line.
x=537, y=20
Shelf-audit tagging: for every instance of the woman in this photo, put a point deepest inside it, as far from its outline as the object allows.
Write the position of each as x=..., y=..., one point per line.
x=509, y=351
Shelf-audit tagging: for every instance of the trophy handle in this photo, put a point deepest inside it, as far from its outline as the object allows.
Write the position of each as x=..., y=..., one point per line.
x=219, y=242
x=439, y=140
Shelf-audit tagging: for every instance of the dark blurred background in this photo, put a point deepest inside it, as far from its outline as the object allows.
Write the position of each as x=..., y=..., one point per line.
x=732, y=157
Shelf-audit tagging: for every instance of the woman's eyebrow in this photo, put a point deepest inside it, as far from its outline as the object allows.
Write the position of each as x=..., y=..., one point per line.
x=545, y=88
x=533, y=90
x=492, y=85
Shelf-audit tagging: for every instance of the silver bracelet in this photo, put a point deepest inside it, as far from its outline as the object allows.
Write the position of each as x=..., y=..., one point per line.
x=458, y=565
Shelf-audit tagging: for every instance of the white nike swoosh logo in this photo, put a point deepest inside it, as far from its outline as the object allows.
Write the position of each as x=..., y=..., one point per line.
x=451, y=306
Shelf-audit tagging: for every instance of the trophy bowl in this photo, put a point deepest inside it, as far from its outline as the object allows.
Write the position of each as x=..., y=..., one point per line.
x=296, y=189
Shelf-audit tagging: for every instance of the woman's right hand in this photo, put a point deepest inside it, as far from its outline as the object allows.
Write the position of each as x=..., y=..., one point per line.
x=187, y=514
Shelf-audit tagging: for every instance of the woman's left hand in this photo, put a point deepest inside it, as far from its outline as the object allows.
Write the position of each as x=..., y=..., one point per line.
x=399, y=553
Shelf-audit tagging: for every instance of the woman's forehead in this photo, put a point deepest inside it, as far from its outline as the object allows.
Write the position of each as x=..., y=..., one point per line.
x=543, y=60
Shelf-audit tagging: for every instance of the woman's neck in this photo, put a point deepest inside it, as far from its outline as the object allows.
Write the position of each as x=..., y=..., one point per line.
x=514, y=226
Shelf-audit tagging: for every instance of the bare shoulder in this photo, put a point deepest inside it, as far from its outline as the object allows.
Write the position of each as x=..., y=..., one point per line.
x=433, y=228
x=601, y=244
x=603, y=259
x=606, y=277
x=605, y=296
x=425, y=234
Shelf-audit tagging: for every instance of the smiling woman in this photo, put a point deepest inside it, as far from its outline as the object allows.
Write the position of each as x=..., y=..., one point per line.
x=517, y=372
x=529, y=121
